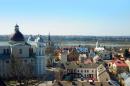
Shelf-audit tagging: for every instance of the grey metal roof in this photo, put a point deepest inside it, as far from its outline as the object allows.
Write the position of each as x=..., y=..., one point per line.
x=4, y=43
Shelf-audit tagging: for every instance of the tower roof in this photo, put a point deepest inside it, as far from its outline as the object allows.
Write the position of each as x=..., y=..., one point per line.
x=39, y=39
x=17, y=36
x=49, y=37
x=31, y=38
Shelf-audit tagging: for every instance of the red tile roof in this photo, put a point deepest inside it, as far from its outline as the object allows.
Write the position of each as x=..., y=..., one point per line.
x=120, y=63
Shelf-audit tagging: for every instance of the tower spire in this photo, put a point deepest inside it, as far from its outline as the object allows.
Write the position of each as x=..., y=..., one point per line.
x=97, y=44
x=49, y=37
x=16, y=28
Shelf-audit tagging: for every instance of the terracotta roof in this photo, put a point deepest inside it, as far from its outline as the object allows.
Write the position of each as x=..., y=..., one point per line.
x=120, y=63
x=88, y=61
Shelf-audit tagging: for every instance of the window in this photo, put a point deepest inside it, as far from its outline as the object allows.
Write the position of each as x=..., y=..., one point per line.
x=91, y=75
x=7, y=61
x=25, y=61
x=81, y=71
x=31, y=60
x=20, y=51
x=85, y=75
x=85, y=71
x=74, y=70
x=8, y=51
x=4, y=51
x=92, y=70
x=68, y=70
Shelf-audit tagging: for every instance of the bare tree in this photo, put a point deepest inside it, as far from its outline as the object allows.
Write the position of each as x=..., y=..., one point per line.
x=21, y=71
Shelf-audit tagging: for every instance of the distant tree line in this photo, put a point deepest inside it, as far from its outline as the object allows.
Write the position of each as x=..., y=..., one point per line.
x=77, y=38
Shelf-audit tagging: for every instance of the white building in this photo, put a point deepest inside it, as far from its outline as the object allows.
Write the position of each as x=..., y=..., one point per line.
x=82, y=57
x=83, y=53
x=39, y=50
x=89, y=71
x=92, y=53
x=30, y=54
x=98, y=47
x=15, y=49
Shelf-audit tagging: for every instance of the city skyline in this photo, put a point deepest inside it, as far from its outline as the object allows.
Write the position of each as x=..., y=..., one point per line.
x=84, y=17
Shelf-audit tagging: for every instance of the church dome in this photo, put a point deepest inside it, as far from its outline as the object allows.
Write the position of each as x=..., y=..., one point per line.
x=17, y=36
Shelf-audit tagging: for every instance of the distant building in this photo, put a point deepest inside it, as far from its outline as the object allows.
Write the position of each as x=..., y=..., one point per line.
x=50, y=47
x=106, y=55
x=57, y=55
x=126, y=78
x=92, y=53
x=83, y=53
x=82, y=50
x=128, y=63
x=38, y=46
x=49, y=51
x=73, y=55
x=96, y=58
x=89, y=71
x=64, y=55
x=88, y=61
x=98, y=47
x=82, y=57
x=118, y=66
x=102, y=74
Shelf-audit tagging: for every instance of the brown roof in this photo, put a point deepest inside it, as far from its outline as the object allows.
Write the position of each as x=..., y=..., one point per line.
x=73, y=65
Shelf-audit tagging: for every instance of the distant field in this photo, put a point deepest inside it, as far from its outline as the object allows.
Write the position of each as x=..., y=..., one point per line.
x=113, y=41
x=93, y=43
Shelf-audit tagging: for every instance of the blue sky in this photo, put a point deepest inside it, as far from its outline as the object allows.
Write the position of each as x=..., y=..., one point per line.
x=66, y=17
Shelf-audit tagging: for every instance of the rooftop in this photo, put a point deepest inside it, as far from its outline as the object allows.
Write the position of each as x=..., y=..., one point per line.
x=17, y=36
x=4, y=43
x=119, y=63
x=73, y=65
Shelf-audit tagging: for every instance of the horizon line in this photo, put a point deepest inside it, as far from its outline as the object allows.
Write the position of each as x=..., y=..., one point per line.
x=70, y=35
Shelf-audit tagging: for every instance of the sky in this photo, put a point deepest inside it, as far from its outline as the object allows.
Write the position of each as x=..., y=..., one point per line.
x=66, y=17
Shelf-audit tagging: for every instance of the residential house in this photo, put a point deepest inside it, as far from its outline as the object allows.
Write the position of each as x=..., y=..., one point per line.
x=118, y=66
x=102, y=74
x=128, y=63
x=89, y=71
x=73, y=55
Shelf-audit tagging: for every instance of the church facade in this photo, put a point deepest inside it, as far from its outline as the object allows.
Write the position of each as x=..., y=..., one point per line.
x=22, y=57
